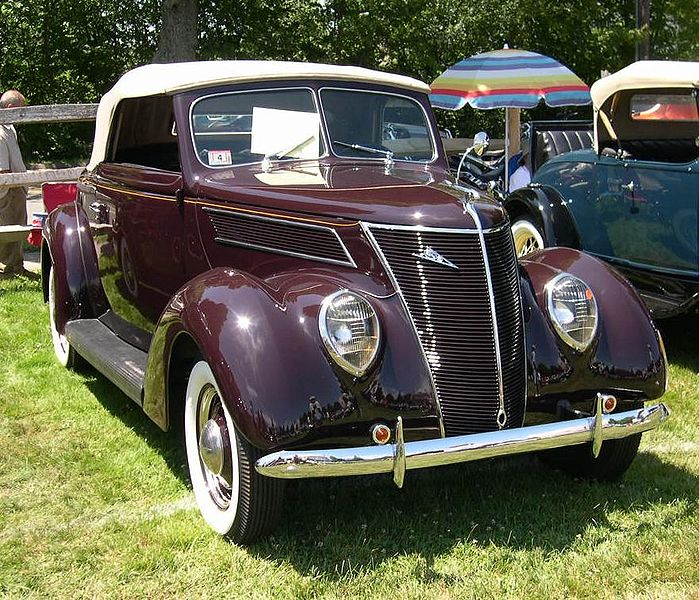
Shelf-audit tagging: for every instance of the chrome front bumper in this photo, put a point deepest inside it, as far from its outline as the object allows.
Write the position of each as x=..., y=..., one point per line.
x=400, y=456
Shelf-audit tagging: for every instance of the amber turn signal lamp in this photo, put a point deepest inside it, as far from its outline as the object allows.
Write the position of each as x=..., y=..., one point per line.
x=609, y=404
x=380, y=433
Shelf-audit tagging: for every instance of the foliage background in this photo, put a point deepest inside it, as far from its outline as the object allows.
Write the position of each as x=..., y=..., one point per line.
x=74, y=50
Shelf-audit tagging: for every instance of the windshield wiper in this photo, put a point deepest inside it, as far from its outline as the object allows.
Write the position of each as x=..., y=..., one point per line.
x=279, y=154
x=387, y=154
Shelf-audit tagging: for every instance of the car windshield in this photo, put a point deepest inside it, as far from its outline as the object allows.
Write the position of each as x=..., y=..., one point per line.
x=371, y=125
x=244, y=127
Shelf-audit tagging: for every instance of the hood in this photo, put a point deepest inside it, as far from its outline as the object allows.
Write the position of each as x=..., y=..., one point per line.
x=354, y=192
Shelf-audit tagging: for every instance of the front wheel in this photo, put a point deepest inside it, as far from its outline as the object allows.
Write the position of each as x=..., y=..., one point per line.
x=614, y=459
x=233, y=498
x=527, y=237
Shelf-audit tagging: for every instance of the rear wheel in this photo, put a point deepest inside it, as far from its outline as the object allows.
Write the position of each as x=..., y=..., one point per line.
x=527, y=236
x=233, y=498
x=65, y=353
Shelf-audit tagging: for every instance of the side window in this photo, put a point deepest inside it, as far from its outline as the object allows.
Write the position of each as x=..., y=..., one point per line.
x=679, y=106
x=143, y=133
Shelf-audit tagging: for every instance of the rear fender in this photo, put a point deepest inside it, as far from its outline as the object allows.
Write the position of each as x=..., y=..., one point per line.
x=262, y=342
x=61, y=249
x=548, y=210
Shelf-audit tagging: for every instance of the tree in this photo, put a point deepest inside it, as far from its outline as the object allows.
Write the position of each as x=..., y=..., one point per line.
x=58, y=51
x=178, y=31
x=74, y=50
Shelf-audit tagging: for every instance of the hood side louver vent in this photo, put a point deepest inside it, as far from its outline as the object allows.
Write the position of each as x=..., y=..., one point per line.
x=303, y=240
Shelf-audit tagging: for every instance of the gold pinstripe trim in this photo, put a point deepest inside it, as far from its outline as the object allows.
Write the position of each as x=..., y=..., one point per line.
x=275, y=215
x=130, y=193
x=226, y=207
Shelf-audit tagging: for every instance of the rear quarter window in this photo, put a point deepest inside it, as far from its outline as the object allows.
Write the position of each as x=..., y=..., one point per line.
x=664, y=107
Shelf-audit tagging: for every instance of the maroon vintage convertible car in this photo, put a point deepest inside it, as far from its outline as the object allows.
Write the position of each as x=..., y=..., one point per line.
x=274, y=257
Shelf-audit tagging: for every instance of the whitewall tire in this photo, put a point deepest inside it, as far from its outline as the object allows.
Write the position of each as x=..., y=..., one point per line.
x=64, y=352
x=232, y=497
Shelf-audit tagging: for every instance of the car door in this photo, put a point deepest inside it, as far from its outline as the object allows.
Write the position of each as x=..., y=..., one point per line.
x=136, y=219
x=654, y=217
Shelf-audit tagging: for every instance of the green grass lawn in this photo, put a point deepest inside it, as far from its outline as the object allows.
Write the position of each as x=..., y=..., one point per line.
x=94, y=502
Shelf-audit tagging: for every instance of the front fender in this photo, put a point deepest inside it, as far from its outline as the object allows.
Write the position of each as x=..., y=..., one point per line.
x=548, y=210
x=626, y=356
x=262, y=342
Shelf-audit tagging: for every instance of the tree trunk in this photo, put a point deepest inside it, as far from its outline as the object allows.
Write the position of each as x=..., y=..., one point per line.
x=178, y=32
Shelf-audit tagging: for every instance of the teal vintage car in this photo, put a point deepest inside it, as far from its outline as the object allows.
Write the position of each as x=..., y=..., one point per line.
x=632, y=199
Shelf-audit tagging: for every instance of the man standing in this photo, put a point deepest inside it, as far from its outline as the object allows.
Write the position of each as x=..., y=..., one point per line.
x=13, y=201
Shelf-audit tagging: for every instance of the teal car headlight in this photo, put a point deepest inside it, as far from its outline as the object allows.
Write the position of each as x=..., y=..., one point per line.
x=350, y=330
x=573, y=310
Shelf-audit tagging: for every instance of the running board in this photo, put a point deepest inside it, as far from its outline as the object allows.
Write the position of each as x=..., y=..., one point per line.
x=123, y=364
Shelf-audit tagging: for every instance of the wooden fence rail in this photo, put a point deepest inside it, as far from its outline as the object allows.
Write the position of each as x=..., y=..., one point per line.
x=54, y=113
x=51, y=113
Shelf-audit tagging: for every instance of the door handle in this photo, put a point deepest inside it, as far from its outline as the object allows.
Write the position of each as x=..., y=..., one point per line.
x=101, y=212
x=630, y=187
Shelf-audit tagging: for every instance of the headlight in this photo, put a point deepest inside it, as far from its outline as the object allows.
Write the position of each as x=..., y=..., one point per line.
x=349, y=328
x=573, y=310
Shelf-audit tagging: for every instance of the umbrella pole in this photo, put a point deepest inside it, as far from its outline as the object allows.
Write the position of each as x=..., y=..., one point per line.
x=512, y=141
x=507, y=150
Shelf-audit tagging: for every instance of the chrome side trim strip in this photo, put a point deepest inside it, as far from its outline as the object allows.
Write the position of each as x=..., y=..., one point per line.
x=622, y=262
x=371, y=460
x=374, y=244
x=501, y=418
x=350, y=261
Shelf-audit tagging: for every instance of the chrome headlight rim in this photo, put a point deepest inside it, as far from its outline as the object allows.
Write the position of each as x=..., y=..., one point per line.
x=327, y=342
x=562, y=333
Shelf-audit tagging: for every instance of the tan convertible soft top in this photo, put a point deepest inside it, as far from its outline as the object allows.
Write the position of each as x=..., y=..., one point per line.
x=646, y=74
x=611, y=95
x=151, y=80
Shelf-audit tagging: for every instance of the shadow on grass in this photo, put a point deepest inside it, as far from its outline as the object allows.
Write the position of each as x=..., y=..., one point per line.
x=347, y=526
x=680, y=337
x=169, y=444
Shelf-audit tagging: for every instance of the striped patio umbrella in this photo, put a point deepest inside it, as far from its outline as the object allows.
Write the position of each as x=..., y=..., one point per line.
x=508, y=78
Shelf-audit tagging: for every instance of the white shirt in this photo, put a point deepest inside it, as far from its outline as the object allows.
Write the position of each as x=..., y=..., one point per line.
x=520, y=178
x=10, y=156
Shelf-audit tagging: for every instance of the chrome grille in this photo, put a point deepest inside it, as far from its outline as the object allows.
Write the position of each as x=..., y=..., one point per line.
x=452, y=314
x=304, y=240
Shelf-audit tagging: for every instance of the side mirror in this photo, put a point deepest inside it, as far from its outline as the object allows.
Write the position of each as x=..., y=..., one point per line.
x=481, y=141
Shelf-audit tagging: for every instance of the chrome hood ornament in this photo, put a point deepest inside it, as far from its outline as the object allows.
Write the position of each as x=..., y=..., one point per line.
x=433, y=256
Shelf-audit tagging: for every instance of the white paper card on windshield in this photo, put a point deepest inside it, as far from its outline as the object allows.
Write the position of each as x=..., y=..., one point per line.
x=281, y=133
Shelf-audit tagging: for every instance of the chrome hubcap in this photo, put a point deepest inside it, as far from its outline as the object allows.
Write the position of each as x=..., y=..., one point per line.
x=214, y=447
x=211, y=446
